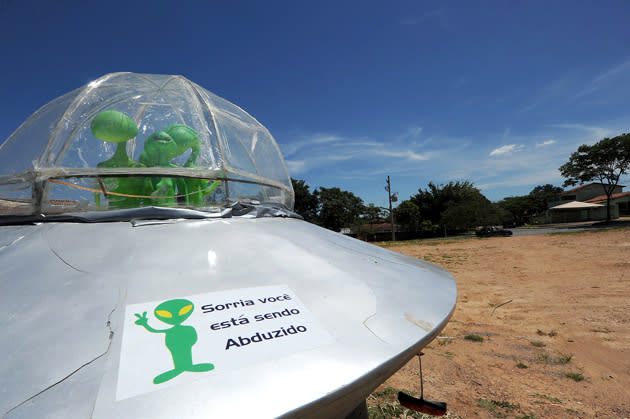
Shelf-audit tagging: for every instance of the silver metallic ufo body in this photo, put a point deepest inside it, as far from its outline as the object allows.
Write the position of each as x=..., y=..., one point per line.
x=165, y=274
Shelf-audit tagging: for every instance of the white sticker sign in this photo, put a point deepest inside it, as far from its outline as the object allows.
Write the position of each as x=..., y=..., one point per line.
x=178, y=340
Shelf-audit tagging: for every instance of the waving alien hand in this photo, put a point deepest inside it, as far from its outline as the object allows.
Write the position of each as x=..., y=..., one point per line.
x=142, y=320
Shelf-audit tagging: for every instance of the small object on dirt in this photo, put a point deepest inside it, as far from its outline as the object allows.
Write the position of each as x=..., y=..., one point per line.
x=421, y=405
x=570, y=340
x=446, y=337
x=502, y=304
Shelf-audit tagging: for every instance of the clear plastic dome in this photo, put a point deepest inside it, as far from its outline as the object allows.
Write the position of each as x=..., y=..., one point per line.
x=133, y=140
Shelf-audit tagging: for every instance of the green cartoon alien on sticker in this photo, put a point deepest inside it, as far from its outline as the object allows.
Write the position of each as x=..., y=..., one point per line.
x=178, y=339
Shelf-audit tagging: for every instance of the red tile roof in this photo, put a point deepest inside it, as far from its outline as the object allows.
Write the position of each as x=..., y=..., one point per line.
x=602, y=198
x=577, y=188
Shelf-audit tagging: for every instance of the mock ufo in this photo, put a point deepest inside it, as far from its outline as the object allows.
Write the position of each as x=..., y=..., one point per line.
x=152, y=267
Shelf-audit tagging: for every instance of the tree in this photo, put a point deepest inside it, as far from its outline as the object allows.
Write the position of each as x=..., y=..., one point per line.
x=408, y=215
x=605, y=161
x=542, y=195
x=372, y=213
x=523, y=207
x=305, y=202
x=338, y=208
x=519, y=207
x=456, y=206
x=462, y=216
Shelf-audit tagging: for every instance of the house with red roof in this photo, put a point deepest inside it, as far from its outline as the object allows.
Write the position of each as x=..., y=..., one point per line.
x=588, y=203
x=588, y=191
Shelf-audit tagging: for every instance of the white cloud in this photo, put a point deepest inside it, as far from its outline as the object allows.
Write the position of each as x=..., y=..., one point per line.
x=604, y=78
x=525, y=160
x=408, y=154
x=335, y=156
x=295, y=166
x=545, y=143
x=597, y=133
x=507, y=150
x=313, y=140
x=524, y=179
x=414, y=132
x=552, y=91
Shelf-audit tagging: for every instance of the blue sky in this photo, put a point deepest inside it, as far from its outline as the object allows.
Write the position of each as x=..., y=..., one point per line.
x=498, y=93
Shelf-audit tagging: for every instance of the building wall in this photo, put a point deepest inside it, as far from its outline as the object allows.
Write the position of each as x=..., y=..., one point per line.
x=623, y=204
x=587, y=192
x=577, y=215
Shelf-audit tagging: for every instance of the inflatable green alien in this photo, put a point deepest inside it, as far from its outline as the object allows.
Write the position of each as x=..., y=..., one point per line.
x=159, y=149
x=116, y=127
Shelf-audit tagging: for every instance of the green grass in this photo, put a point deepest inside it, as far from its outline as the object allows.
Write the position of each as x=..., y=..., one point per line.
x=418, y=242
x=447, y=354
x=388, y=392
x=537, y=344
x=575, y=376
x=591, y=230
x=473, y=337
x=561, y=359
x=498, y=409
x=384, y=405
x=564, y=358
x=548, y=398
x=521, y=366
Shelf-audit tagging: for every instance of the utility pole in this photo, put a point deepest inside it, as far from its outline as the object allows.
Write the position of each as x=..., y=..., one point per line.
x=393, y=197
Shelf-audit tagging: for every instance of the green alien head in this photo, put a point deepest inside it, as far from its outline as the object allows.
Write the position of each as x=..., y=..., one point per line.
x=174, y=311
x=182, y=134
x=113, y=126
x=159, y=149
x=186, y=138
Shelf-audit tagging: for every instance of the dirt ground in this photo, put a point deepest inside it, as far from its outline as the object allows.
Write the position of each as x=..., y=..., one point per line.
x=559, y=348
